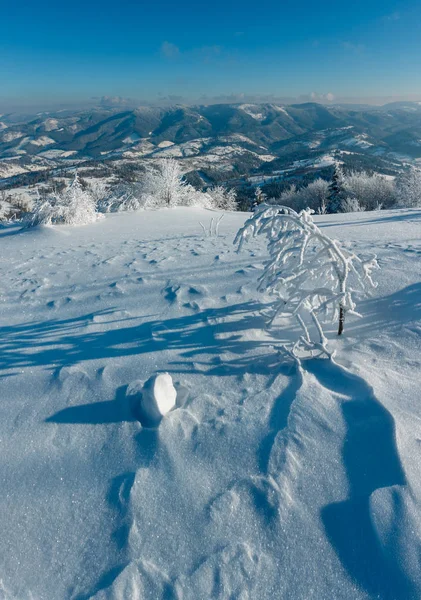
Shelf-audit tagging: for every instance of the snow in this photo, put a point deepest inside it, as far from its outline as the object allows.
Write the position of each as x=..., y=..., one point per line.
x=10, y=136
x=132, y=139
x=42, y=141
x=253, y=111
x=157, y=398
x=359, y=141
x=268, y=478
x=51, y=124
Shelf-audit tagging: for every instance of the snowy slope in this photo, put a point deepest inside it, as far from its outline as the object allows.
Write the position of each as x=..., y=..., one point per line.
x=266, y=481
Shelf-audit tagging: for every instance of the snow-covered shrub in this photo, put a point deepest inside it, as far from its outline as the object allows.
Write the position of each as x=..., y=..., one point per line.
x=14, y=206
x=312, y=277
x=223, y=198
x=98, y=190
x=4, y=210
x=163, y=185
x=72, y=206
x=409, y=188
x=193, y=197
x=351, y=205
x=371, y=191
x=315, y=195
x=120, y=198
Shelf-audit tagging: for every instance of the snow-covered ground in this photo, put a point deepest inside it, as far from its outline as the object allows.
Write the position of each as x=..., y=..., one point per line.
x=266, y=481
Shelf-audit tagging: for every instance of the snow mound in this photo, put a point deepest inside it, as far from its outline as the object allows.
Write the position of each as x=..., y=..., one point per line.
x=158, y=398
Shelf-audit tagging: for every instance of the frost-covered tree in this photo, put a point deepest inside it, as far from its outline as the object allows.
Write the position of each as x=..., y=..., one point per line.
x=120, y=198
x=371, y=191
x=223, y=198
x=409, y=188
x=98, y=190
x=72, y=206
x=163, y=184
x=351, y=204
x=336, y=193
x=312, y=277
x=259, y=198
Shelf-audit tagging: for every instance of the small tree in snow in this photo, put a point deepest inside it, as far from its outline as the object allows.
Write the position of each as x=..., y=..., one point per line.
x=336, y=193
x=312, y=277
x=72, y=206
x=409, y=188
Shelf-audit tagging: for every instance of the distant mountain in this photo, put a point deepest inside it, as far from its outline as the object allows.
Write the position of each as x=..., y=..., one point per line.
x=236, y=140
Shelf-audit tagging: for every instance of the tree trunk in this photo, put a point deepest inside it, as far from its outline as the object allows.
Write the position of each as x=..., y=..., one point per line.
x=341, y=320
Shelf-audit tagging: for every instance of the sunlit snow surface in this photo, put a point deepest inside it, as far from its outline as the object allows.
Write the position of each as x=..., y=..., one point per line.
x=265, y=481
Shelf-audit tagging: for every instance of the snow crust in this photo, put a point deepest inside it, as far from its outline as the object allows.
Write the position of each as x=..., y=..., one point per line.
x=267, y=479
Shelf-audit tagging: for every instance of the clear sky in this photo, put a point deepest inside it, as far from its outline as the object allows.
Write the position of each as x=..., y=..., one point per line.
x=56, y=52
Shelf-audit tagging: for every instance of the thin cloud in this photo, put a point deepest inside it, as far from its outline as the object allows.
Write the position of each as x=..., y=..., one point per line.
x=355, y=48
x=170, y=50
x=395, y=16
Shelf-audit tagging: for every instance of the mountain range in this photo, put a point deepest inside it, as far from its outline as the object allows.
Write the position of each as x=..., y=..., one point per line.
x=219, y=142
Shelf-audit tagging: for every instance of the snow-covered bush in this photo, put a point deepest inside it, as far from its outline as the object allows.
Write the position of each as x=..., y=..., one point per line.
x=371, y=191
x=120, y=198
x=409, y=188
x=222, y=198
x=163, y=185
x=98, y=190
x=313, y=196
x=72, y=206
x=351, y=204
x=312, y=277
x=14, y=206
x=354, y=191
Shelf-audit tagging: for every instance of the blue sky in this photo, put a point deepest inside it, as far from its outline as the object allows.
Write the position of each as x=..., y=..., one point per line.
x=163, y=50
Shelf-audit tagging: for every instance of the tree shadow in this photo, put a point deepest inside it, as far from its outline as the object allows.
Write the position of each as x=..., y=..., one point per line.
x=371, y=461
x=59, y=343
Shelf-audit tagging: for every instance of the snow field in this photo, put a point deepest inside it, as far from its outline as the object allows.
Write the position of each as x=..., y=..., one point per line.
x=267, y=479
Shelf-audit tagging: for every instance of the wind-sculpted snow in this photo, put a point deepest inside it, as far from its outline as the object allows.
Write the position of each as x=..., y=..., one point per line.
x=269, y=478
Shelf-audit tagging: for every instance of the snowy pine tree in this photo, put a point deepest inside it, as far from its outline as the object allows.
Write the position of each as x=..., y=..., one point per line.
x=336, y=192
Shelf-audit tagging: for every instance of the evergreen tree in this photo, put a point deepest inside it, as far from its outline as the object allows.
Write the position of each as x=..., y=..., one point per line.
x=336, y=192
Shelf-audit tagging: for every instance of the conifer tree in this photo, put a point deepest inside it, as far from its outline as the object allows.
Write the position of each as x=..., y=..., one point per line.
x=336, y=192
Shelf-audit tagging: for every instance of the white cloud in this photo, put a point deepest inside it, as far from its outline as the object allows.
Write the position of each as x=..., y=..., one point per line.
x=316, y=97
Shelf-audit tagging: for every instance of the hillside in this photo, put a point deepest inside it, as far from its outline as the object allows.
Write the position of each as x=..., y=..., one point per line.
x=268, y=479
x=216, y=143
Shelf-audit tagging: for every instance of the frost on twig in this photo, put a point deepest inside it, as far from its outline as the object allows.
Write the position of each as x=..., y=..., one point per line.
x=314, y=278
